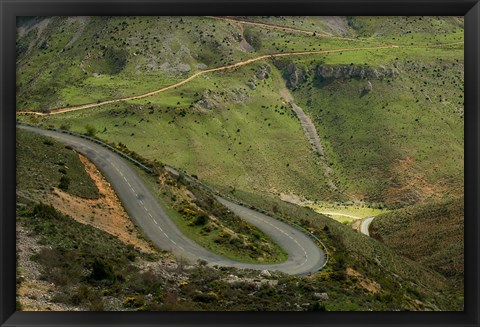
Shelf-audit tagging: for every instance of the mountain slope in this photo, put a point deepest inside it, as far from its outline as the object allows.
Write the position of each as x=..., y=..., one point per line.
x=387, y=107
x=362, y=102
x=430, y=233
x=363, y=274
x=380, y=124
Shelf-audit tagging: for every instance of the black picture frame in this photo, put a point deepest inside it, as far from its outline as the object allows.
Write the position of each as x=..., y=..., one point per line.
x=10, y=9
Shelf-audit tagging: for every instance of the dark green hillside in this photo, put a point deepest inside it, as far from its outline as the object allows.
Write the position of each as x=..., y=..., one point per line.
x=43, y=163
x=94, y=271
x=381, y=124
x=400, y=278
x=430, y=233
x=100, y=273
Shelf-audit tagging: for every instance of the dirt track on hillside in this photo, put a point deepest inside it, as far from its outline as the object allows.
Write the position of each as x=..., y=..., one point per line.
x=226, y=67
x=291, y=29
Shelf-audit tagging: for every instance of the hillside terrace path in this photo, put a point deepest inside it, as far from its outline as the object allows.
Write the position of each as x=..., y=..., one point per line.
x=311, y=33
x=322, y=34
x=222, y=68
x=197, y=74
x=270, y=26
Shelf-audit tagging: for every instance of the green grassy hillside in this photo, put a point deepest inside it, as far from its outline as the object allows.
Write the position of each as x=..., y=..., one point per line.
x=218, y=129
x=337, y=26
x=408, y=29
x=65, y=61
x=390, y=121
x=430, y=233
x=74, y=60
x=382, y=144
x=43, y=163
x=381, y=133
x=105, y=274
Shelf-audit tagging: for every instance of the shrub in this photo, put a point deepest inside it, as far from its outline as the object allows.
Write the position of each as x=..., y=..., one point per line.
x=96, y=304
x=134, y=301
x=91, y=131
x=200, y=220
x=66, y=126
x=102, y=271
x=205, y=298
x=43, y=211
x=64, y=183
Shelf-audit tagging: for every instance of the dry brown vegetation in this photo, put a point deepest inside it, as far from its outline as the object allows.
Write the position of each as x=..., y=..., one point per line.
x=431, y=234
x=105, y=213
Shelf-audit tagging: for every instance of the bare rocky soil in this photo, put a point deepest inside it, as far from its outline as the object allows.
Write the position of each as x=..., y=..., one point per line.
x=312, y=136
x=105, y=213
x=33, y=293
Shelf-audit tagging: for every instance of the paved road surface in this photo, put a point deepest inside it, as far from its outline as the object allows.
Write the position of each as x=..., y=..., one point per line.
x=303, y=255
x=365, y=225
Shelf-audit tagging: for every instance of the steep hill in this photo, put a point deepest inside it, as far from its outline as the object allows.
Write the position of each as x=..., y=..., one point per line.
x=362, y=102
x=430, y=233
x=363, y=274
x=386, y=103
x=56, y=167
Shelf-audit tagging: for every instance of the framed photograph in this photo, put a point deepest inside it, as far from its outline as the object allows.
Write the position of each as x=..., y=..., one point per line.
x=219, y=163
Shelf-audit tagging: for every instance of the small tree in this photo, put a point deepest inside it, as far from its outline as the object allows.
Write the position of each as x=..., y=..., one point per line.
x=102, y=271
x=91, y=131
x=64, y=183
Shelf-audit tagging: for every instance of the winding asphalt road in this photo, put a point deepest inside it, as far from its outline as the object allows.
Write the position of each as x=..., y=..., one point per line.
x=303, y=255
x=365, y=225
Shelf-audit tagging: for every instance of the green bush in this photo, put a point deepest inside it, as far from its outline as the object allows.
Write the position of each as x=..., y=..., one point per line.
x=64, y=183
x=44, y=211
x=102, y=271
x=91, y=131
x=206, y=298
x=200, y=220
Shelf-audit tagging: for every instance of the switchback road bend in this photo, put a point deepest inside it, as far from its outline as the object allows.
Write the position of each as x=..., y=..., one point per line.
x=304, y=256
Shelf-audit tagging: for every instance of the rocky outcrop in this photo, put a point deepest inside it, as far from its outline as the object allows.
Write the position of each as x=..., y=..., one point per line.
x=321, y=296
x=263, y=72
x=251, y=84
x=294, y=75
x=355, y=71
x=212, y=99
x=368, y=86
